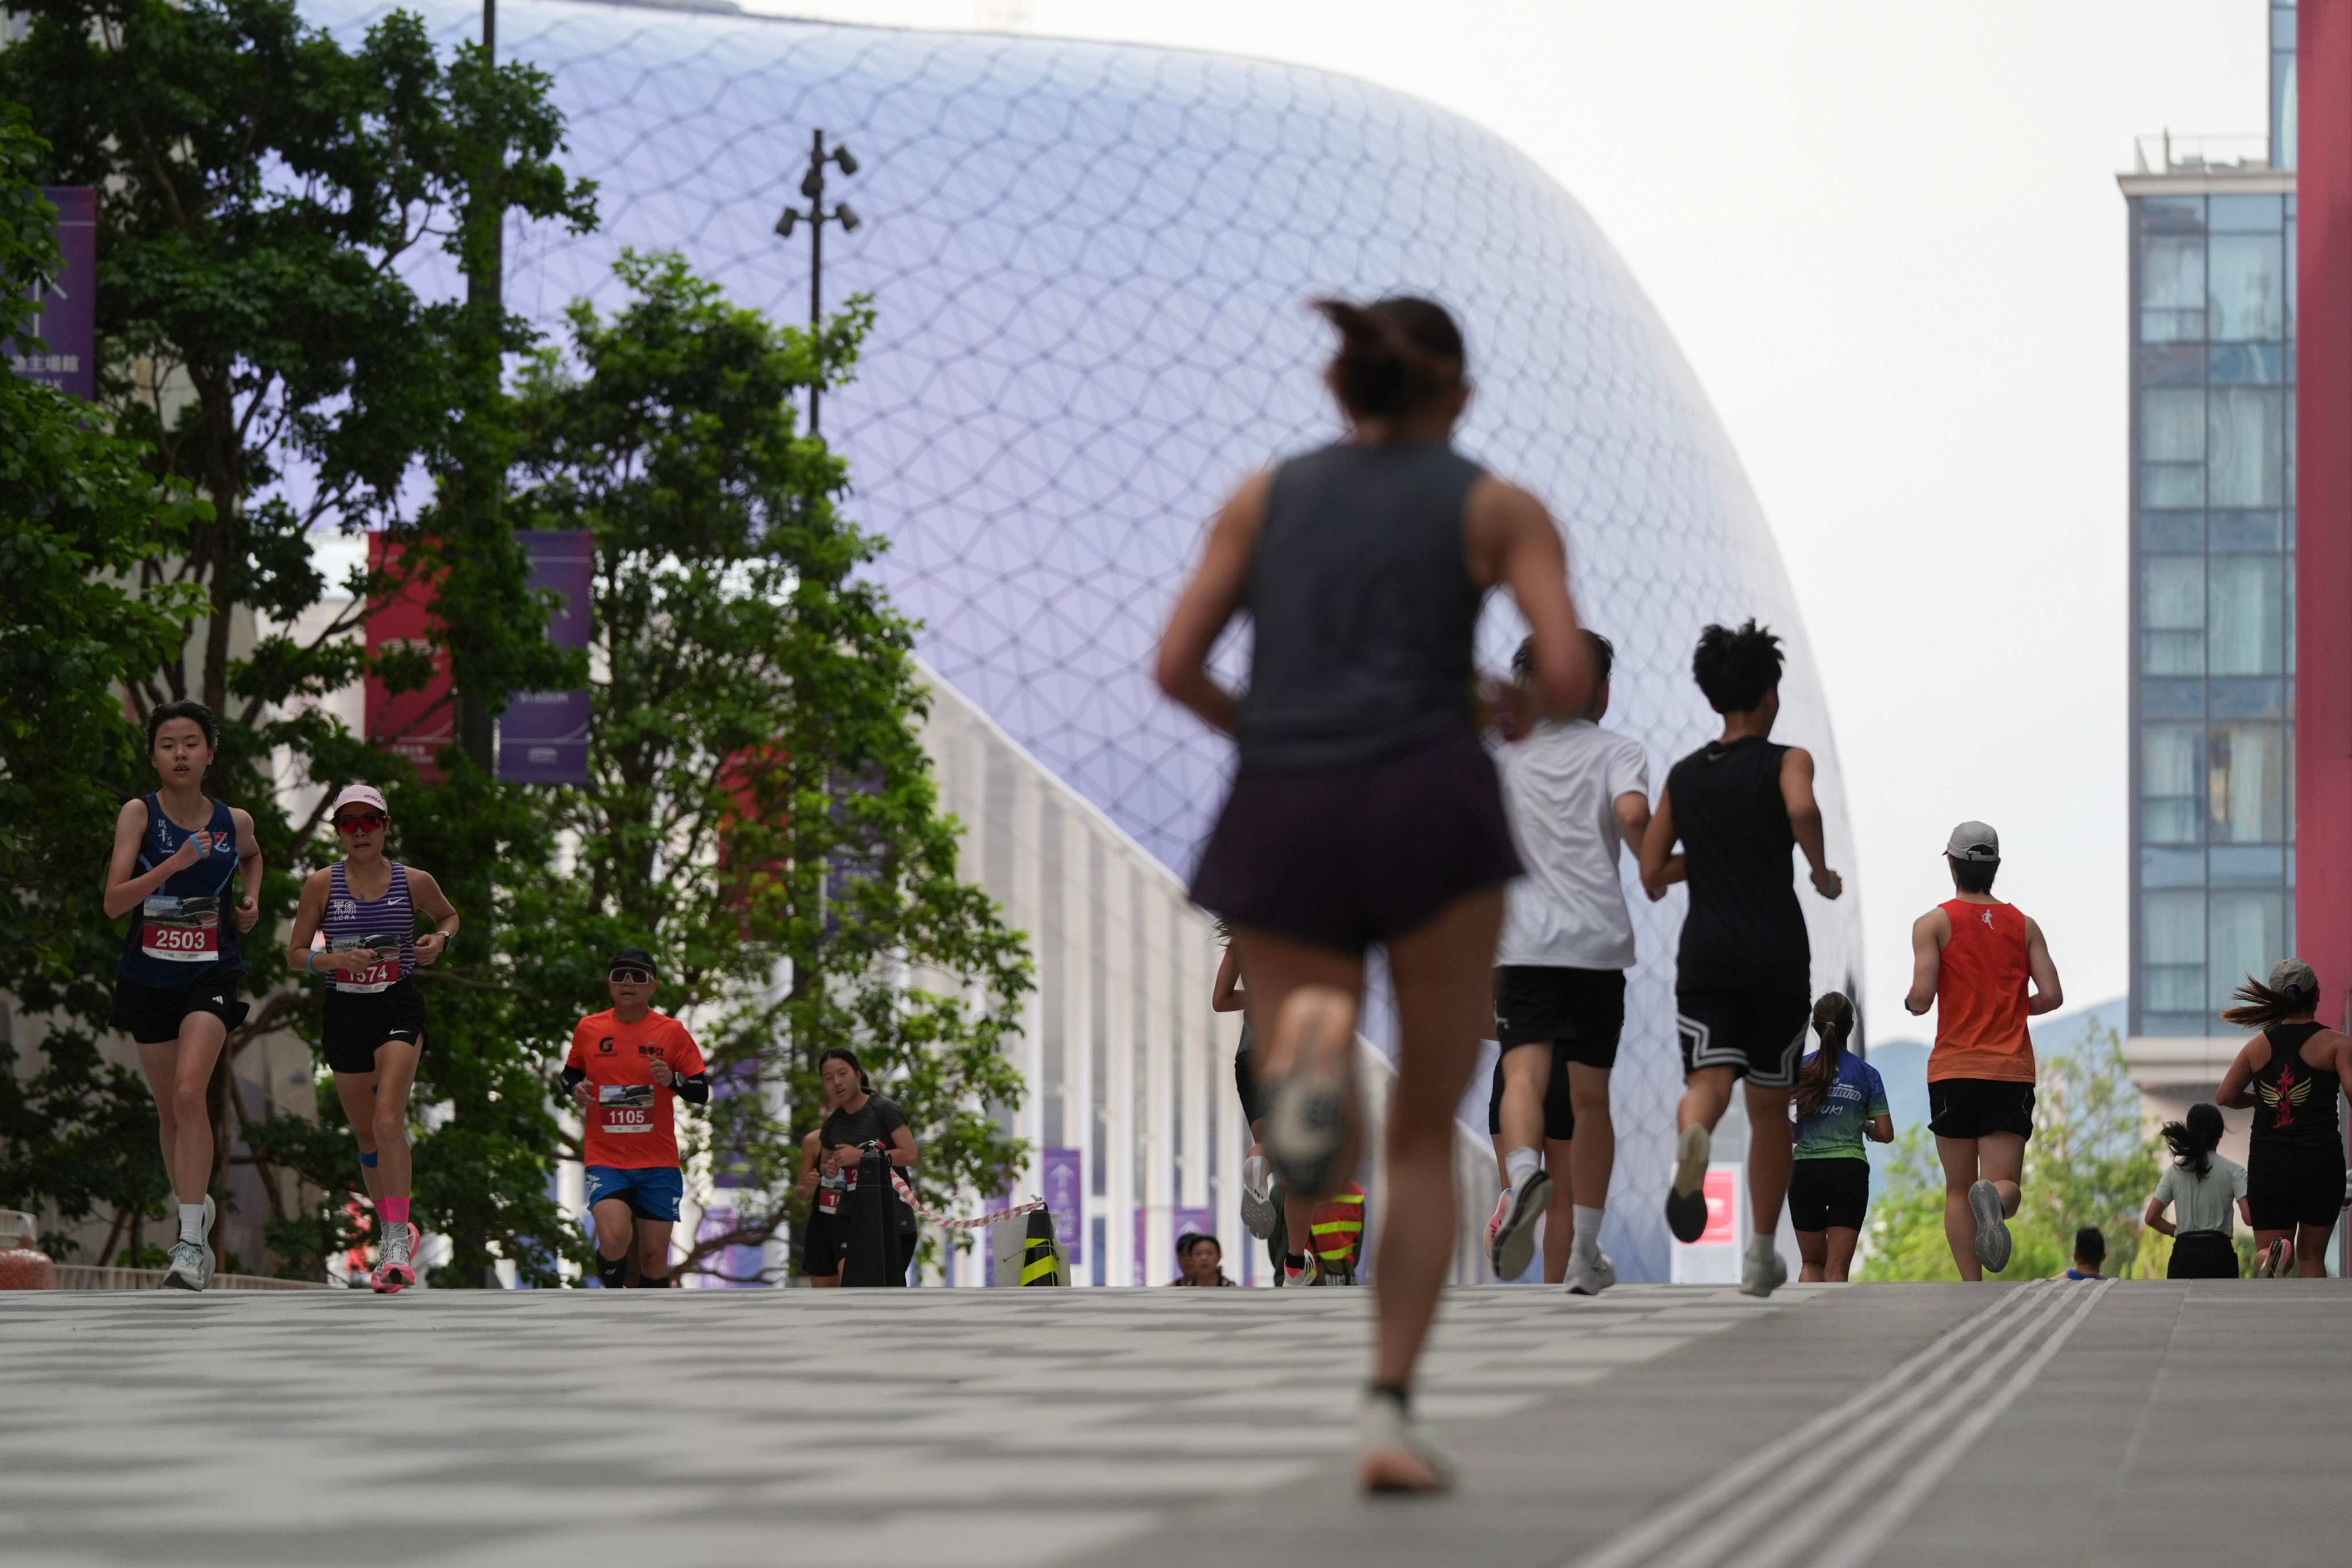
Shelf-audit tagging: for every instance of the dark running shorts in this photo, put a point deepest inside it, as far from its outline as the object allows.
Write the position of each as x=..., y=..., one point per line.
x=151, y=1015
x=1828, y=1192
x=1245, y=1080
x=360, y=1021
x=1558, y=1106
x=2202, y=1255
x=2288, y=1184
x=1760, y=1038
x=1975, y=1107
x=1347, y=857
x=1583, y=1011
x=820, y=1246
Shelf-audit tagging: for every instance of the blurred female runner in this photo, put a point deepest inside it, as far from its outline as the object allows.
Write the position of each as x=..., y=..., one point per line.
x=1364, y=810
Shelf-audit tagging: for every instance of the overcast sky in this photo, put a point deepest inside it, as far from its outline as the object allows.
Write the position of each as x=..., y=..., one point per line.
x=1888, y=238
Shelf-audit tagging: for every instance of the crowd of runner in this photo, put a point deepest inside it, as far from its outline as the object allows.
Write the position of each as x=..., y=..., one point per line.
x=1367, y=810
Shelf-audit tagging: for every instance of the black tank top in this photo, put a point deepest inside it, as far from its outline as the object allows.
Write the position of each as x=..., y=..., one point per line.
x=1745, y=931
x=1363, y=609
x=2292, y=1104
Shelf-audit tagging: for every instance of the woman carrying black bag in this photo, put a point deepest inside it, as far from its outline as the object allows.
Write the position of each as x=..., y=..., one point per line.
x=2204, y=1191
x=864, y=1138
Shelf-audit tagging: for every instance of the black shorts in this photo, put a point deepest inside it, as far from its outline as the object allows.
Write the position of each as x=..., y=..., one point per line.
x=1347, y=857
x=151, y=1015
x=1558, y=1106
x=821, y=1245
x=2202, y=1255
x=1581, y=1011
x=2288, y=1184
x=1760, y=1035
x=360, y=1021
x=1245, y=1081
x=1834, y=1191
x=1975, y=1107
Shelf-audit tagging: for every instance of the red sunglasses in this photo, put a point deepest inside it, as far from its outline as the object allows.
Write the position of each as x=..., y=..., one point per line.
x=359, y=822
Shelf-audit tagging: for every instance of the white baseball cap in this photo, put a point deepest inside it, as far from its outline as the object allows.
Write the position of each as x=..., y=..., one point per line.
x=1973, y=841
x=357, y=794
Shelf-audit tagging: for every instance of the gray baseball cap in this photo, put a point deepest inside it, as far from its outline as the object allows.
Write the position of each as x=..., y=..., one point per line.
x=1973, y=841
x=2293, y=974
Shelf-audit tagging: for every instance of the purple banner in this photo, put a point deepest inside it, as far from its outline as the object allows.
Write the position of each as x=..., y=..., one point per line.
x=65, y=315
x=543, y=735
x=1063, y=1176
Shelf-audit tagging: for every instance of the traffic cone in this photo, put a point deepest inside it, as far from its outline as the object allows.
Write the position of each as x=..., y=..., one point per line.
x=1041, y=1256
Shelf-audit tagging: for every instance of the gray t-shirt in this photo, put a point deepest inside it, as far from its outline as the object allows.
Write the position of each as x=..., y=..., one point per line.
x=2203, y=1203
x=1561, y=785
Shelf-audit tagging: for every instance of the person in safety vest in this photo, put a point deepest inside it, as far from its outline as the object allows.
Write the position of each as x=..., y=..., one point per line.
x=1339, y=1227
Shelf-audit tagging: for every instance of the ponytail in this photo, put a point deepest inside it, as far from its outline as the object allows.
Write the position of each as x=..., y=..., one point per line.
x=2194, y=1141
x=1834, y=1021
x=2261, y=1005
x=1396, y=355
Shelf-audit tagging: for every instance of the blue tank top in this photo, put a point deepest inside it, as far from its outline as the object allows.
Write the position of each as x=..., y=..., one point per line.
x=351, y=921
x=182, y=934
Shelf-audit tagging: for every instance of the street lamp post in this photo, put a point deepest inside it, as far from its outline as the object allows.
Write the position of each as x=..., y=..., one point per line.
x=816, y=217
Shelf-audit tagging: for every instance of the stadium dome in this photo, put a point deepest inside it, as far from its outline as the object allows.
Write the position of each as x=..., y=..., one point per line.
x=1091, y=263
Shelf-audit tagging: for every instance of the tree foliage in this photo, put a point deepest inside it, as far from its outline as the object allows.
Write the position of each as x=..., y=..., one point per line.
x=2091, y=1161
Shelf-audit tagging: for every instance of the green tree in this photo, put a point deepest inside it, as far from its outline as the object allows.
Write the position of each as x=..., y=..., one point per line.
x=2091, y=1161
x=760, y=812
x=267, y=196
x=80, y=513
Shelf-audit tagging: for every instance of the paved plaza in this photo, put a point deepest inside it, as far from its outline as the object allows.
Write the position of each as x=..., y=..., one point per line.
x=2142, y=1423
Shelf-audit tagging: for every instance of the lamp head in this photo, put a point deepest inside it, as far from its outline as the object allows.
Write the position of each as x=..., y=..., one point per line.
x=847, y=218
x=785, y=224
x=841, y=155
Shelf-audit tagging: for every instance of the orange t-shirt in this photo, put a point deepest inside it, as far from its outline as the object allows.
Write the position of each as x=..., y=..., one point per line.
x=631, y=1130
x=1980, y=996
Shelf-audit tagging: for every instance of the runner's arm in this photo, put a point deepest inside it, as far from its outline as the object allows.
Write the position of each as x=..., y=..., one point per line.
x=1227, y=996
x=1929, y=932
x=903, y=1154
x=428, y=897
x=1207, y=606
x=1661, y=866
x=1512, y=541
x=2048, y=996
x=124, y=891
x=312, y=909
x=248, y=870
x=1805, y=818
x=2154, y=1218
x=1633, y=819
x=1880, y=1129
x=2237, y=1084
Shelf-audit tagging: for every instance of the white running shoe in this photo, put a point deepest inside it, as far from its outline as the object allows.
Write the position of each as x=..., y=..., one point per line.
x=1992, y=1229
x=395, y=1268
x=1258, y=1210
x=1391, y=1456
x=1511, y=1233
x=191, y=1267
x=1590, y=1276
x=1763, y=1274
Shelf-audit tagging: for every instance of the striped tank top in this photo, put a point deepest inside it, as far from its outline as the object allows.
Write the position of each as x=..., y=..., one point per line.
x=353, y=921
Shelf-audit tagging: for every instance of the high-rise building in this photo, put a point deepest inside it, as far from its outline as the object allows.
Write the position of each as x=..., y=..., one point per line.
x=2212, y=224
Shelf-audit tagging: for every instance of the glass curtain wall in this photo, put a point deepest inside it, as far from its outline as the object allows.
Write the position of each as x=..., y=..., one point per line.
x=2213, y=559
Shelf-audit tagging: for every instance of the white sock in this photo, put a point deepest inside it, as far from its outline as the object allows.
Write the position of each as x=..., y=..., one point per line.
x=192, y=1223
x=1587, y=1231
x=1522, y=1163
x=1760, y=1246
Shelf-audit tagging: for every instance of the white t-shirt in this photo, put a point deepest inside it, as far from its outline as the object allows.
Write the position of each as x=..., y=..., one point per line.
x=1560, y=785
x=2209, y=1202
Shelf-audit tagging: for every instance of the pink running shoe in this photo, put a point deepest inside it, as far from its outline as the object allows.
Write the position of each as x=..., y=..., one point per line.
x=395, y=1269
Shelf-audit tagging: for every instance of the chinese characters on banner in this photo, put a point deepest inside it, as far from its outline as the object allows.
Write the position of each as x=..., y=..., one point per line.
x=66, y=314
x=543, y=735
x=411, y=724
x=1064, y=1197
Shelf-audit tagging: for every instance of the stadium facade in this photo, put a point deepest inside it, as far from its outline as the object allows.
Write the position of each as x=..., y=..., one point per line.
x=1091, y=264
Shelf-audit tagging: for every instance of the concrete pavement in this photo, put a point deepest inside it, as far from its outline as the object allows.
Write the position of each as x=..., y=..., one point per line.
x=2139, y=1423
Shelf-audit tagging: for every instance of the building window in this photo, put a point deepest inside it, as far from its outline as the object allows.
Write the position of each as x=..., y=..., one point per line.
x=2172, y=447
x=2246, y=783
x=2246, y=441
x=2248, y=615
x=2172, y=289
x=2170, y=777
x=2248, y=933
x=2172, y=945
x=2172, y=614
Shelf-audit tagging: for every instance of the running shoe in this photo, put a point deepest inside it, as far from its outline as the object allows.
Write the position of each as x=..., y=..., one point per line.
x=191, y=1267
x=1763, y=1274
x=1259, y=1212
x=395, y=1269
x=1992, y=1228
x=1308, y=1273
x=1590, y=1276
x=1686, y=1198
x=1307, y=1110
x=1391, y=1456
x=1511, y=1233
x=2275, y=1262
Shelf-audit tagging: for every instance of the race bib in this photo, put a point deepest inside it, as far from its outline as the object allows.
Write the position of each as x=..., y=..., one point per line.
x=828, y=1195
x=378, y=976
x=626, y=1107
x=180, y=930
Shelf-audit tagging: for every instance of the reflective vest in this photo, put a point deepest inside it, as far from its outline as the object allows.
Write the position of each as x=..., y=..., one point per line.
x=1339, y=1227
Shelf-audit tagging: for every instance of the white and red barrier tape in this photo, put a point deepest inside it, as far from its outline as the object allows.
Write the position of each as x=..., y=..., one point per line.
x=906, y=1193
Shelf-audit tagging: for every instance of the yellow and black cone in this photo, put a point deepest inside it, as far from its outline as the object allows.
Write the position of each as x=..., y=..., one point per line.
x=1041, y=1260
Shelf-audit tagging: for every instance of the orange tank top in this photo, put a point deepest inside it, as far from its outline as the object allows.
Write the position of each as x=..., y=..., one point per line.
x=1980, y=996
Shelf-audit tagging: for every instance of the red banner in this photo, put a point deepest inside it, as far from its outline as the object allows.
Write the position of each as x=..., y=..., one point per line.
x=412, y=725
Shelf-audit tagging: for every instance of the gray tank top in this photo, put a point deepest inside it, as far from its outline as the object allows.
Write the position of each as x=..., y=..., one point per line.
x=1363, y=608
